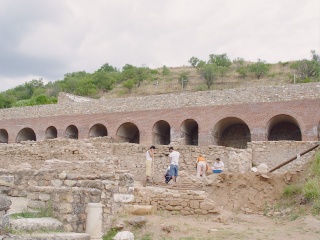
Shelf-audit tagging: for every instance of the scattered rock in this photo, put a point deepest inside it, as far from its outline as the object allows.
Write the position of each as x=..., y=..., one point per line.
x=5, y=203
x=137, y=221
x=124, y=235
x=141, y=209
x=167, y=228
x=262, y=168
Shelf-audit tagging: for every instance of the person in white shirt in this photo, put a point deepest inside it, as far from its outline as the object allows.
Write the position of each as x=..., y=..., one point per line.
x=149, y=162
x=174, y=163
x=218, y=165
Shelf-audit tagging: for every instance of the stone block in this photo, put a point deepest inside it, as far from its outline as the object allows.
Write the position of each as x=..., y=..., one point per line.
x=56, y=182
x=70, y=183
x=6, y=180
x=32, y=183
x=184, y=204
x=174, y=202
x=65, y=208
x=207, y=205
x=66, y=197
x=63, y=175
x=201, y=211
x=44, y=197
x=184, y=212
x=194, y=204
x=123, y=198
x=33, y=196
x=141, y=209
x=168, y=207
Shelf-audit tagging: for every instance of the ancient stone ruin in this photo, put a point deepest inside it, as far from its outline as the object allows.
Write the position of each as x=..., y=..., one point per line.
x=82, y=151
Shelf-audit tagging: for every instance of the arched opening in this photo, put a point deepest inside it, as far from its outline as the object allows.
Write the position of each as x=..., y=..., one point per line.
x=161, y=133
x=128, y=132
x=3, y=136
x=71, y=132
x=98, y=130
x=189, y=131
x=283, y=127
x=231, y=132
x=26, y=134
x=51, y=133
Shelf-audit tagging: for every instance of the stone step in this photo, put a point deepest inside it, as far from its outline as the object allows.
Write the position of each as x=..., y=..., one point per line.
x=36, y=224
x=49, y=236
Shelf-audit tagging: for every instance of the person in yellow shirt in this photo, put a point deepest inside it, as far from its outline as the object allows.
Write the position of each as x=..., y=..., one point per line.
x=201, y=166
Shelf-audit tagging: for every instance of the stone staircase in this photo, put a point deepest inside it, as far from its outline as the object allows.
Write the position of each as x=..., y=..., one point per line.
x=184, y=182
x=187, y=196
x=37, y=228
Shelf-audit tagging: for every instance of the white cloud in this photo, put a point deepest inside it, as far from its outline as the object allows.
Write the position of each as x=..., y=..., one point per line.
x=47, y=39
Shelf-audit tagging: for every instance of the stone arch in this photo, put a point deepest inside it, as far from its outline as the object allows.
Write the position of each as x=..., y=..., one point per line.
x=26, y=134
x=190, y=132
x=128, y=132
x=71, y=132
x=98, y=130
x=231, y=132
x=283, y=127
x=51, y=133
x=4, y=136
x=161, y=133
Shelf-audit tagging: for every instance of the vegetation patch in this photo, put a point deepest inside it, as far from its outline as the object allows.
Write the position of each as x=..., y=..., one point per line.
x=303, y=197
x=46, y=211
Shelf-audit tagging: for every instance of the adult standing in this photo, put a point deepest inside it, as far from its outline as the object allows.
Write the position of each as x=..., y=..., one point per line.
x=174, y=163
x=201, y=166
x=149, y=162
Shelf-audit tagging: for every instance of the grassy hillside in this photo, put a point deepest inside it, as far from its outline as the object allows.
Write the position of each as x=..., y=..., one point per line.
x=279, y=74
x=215, y=74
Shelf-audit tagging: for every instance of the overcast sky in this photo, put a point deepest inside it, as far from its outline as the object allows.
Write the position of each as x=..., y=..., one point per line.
x=49, y=38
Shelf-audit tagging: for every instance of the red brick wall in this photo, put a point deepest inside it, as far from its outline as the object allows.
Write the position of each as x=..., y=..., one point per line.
x=255, y=115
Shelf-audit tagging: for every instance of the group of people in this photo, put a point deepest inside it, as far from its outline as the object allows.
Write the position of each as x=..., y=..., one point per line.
x=173, y=169
x=202, y=166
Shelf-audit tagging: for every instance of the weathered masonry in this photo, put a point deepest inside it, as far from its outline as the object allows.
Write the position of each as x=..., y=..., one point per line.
x=222, y=117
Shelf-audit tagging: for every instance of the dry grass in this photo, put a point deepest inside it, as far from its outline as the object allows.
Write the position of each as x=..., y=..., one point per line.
x=279, y=74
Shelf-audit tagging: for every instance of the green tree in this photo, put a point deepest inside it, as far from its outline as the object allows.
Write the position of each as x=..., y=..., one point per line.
x=259, y=69
x=128, y=72
x=103, y=80
x=86, y=87
x=239, y=61
x=184, y=79
x=243, y=71
x=307, y=69
x=6, y=100
x=129, y=84
x=220, y=60
x=142, y=73
x=193, y=61
x=71, y=81
x=38, y=100
x=201, y=64
x=107, y=68
x=165, y=71
x=208, y=73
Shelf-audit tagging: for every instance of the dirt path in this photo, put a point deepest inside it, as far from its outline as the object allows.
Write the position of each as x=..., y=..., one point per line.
x=240, y=226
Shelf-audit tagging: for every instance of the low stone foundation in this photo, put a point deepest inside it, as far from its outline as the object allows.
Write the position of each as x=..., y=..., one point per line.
x=186, y=202
x=69, y=194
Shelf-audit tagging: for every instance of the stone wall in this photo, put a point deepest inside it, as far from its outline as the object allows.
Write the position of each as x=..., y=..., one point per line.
x=99, y=156
x=167, y=101
x=69, y=194
x=275, y=153
x=186, y=202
